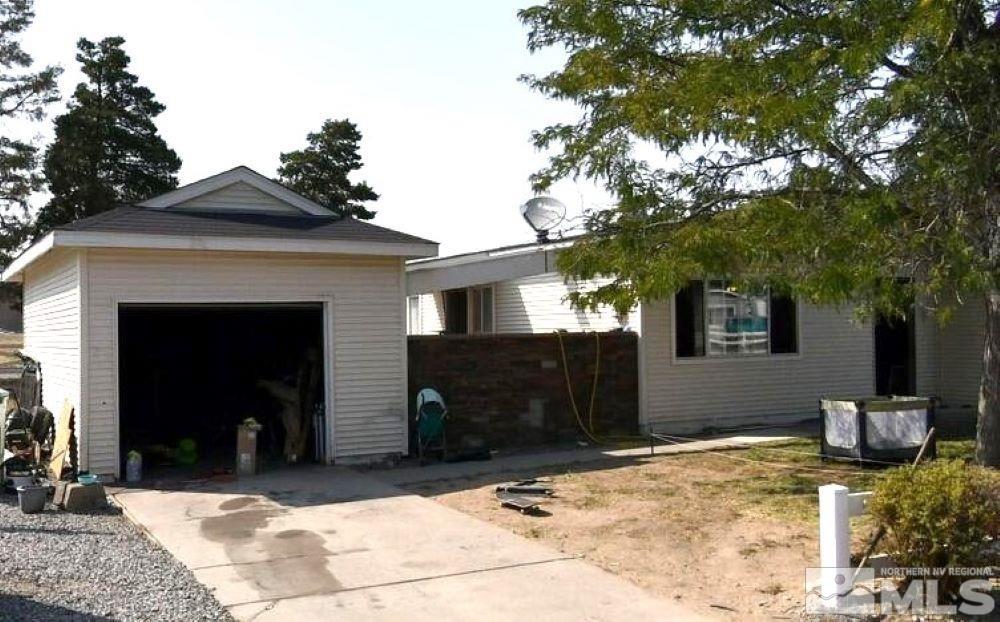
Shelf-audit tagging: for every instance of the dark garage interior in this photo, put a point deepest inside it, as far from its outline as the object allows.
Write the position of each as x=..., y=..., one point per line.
x=190, y=374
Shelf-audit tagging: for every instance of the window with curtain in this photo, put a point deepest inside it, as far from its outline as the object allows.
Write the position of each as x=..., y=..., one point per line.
x=715, y=319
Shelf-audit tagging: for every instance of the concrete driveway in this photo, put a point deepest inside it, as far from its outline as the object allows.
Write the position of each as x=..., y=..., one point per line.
x=331, y=543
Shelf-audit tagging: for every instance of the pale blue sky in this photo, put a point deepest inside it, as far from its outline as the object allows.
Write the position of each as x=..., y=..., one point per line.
x=432, y=85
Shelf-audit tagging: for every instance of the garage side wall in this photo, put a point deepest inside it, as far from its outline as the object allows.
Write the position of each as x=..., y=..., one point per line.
x=368, y=333
x=836, y=357
x=52, y=328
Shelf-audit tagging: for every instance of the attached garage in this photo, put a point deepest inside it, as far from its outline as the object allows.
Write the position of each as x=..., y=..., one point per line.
x=226, y=277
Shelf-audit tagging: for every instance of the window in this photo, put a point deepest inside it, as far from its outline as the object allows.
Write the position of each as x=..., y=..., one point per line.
x=413, y=326
x=713, y=318
x=468, y=311
x=482, y=309
x=456, y=311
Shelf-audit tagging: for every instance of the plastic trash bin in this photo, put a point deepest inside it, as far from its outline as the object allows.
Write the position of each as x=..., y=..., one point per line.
x=31, y=498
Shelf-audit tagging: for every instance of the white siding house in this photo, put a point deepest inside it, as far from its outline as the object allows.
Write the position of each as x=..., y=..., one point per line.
x=829, y=353
x=525, y=293
x=53, y=325
x=233, y=238
x=835, y=357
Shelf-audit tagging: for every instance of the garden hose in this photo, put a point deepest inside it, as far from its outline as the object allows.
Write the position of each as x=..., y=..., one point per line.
x=593, y=390
x=593, y=396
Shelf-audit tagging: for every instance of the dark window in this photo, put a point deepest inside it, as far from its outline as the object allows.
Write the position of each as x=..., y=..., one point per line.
x=690, y=320
x=456, y=312
x=784, y=329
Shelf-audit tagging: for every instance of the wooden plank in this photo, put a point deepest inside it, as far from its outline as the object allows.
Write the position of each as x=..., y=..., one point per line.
x=60, y=450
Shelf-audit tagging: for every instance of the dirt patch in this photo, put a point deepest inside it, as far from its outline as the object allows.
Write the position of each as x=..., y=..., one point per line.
x=725, y=536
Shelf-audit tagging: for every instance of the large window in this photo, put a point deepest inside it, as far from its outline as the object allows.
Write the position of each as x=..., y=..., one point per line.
x=713, y=318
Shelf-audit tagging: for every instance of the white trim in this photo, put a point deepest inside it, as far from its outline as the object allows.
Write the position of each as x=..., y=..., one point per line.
x=483, y=256
x=239, y=174
x=89, y=239
x=329, y=369
x=329, y=363
x=29, y=256
x=226, y=243
x=82, y=410
x=405, y=449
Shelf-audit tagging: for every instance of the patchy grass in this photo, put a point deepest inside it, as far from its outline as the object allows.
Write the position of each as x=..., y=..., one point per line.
x=733, y=527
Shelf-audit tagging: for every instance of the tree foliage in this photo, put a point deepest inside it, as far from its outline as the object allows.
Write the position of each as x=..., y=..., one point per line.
x=827, y=147
x=24, y=94
x=107, y=150
x=320, y=171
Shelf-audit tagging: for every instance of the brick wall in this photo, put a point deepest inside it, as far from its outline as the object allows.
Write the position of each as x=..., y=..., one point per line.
x=510, y=390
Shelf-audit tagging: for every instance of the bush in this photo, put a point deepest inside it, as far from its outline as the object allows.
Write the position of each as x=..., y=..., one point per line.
x=939, y=515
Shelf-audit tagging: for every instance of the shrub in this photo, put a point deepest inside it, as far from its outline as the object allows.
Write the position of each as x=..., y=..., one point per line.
x=939, y=515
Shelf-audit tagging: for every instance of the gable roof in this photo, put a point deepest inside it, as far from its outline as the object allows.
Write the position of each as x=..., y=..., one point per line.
x=135, y=220
x=239, y=175
x=164, y=223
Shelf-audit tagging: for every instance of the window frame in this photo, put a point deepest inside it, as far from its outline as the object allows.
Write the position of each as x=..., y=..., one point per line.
x=475, y=293
x=711, y=359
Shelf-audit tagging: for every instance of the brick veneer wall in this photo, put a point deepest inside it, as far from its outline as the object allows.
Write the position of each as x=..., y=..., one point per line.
x=510, y=390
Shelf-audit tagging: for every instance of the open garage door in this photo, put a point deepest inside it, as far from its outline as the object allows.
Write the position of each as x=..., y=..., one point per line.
x=189, y=374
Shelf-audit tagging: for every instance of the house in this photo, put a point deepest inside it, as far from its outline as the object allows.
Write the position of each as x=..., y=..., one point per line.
x=710, y=356
x=513, y=289
x=163, y=317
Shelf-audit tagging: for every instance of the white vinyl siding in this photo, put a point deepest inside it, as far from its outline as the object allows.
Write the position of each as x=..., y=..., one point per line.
x=52, y=330
x=431, y=315
x=960, y=356
x=926, y=353
x=239, y=197
x=835, y=358
x=368, y=320
x=538, y=304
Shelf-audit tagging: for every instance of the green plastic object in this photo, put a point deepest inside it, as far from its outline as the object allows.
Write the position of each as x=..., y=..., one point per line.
x=431, y=422
x=187, y=452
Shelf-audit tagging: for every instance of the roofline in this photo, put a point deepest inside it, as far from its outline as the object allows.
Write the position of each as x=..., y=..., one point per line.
x=94, y=239
x=488, y=254
x=226, y=178
x=12, y=273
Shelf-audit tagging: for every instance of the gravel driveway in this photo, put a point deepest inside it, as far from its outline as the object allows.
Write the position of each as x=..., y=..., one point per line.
x=61, y=566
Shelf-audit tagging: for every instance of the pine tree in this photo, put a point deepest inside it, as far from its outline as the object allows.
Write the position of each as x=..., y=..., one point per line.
x=24, y=94
x=107, y=150
x=320, y=171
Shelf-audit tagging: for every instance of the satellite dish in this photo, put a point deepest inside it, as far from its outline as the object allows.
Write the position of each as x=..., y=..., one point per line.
x=543, y=214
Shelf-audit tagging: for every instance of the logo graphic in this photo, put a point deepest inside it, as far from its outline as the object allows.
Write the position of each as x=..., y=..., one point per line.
x=863, y=592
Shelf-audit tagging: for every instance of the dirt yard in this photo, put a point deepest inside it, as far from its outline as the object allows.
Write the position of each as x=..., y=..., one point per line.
x=723, y=535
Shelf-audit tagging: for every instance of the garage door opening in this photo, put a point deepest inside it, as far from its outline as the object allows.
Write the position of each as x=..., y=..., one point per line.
x=190, y=374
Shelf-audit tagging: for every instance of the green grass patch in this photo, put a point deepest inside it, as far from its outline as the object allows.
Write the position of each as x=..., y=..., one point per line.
x=790, y=490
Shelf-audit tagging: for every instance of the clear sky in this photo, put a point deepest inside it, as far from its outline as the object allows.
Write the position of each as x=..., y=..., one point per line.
x=432, y=86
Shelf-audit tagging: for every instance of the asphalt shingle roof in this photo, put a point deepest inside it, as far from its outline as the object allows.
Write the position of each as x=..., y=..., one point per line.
x=190, y=223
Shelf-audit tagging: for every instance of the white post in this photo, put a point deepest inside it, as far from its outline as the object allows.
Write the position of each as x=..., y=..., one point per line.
x=834, y=542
